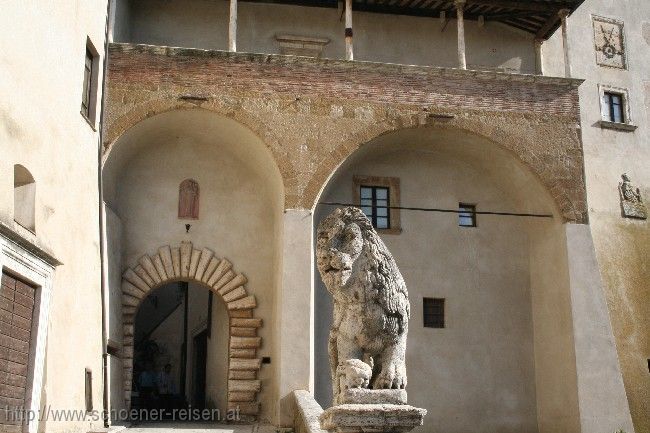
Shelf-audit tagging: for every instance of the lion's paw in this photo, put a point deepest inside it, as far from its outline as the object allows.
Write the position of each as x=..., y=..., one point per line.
x=390, y=378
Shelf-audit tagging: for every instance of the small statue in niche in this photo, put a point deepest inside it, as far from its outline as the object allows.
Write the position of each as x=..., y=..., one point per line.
x=188, y=200
x=631, y=201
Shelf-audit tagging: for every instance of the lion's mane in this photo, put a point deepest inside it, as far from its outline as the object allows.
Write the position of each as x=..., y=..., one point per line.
x=377, y=270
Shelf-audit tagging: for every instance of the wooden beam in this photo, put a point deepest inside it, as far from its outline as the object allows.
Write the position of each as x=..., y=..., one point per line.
x=563, y=14
x=443, y=20
x=550, y=23
x=522, y=5
x=349, y=51
x=539, y=66
x=232, y=27
x=511, y=14
x=462, y=61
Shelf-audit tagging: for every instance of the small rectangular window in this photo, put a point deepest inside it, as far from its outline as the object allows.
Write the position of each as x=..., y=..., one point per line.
x=88, y=77
x=89, y=390
x=466, y=215
x=89, y=89
x=613, y=107
x=375, y=203
x=434, y=312
x=379, y=198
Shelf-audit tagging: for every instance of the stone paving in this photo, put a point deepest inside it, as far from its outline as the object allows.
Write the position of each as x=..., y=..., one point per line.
x=168, y=427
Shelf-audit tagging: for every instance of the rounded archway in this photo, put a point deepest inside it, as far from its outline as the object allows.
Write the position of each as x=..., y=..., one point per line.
x=188, y=263
x=490, y=301
x=239, y=212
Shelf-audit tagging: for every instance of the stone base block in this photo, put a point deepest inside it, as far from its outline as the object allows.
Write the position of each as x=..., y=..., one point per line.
x=373, y=396
x=371, y=418
x=634, y=210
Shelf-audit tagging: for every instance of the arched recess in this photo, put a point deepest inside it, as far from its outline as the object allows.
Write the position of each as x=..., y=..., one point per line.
x=566, y=189
x=188, y=263
x=24, y=198
x=508, y=271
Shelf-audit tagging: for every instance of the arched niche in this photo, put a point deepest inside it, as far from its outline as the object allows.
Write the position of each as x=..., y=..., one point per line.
x=505, y=282
x=24, y=198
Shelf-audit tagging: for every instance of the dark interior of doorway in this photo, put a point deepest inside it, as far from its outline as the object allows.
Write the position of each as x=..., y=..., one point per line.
x=200, y=359
x=153, y=352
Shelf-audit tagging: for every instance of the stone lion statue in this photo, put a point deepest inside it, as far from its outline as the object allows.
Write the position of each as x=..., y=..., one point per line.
x=371, y=306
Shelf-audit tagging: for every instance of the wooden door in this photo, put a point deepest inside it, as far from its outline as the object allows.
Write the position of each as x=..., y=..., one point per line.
x=16, y=317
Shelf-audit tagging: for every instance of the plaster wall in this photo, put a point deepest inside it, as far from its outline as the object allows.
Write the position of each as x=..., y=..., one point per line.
x=24, y=199
x=113, y=266
x=622, y=245
x=295, y=305
x=480, y=373
x=116, y=393
x=240, y=203
x=377, y=37
x=113, y=261
x=122, y=23
x=42, y=48
x=555, y=364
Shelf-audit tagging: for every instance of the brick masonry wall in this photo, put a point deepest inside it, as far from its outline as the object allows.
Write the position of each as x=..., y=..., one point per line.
x=312, y=114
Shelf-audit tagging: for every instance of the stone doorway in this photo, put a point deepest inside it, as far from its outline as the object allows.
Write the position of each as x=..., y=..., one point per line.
x=200, y=266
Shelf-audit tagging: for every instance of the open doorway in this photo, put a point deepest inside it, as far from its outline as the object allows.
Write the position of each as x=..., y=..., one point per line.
x=173, y=344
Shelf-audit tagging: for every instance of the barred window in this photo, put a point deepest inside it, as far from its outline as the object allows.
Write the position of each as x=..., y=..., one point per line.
x=466, y=215
x=434, y=312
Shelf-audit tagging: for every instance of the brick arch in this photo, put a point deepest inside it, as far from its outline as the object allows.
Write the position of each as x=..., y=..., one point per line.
x=549, y=147
x=188, y=263
x=149, y=109
x=572, y=207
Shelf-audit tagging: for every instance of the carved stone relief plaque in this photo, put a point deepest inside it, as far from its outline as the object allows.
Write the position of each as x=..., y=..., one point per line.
x=632, y=204
x=609, y=41
x=188, y=200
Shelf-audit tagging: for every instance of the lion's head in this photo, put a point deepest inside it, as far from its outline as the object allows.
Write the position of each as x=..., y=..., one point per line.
x=350, y=252
x=340, y=243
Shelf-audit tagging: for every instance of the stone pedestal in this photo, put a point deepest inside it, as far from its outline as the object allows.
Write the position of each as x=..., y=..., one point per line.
x=371, y=418
x=373, y=396
x=372, y=411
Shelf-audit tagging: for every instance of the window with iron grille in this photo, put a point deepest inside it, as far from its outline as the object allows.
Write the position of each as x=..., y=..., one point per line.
x=375, y=203
x=613, y=107
x=434, y=312
x=466, y=215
